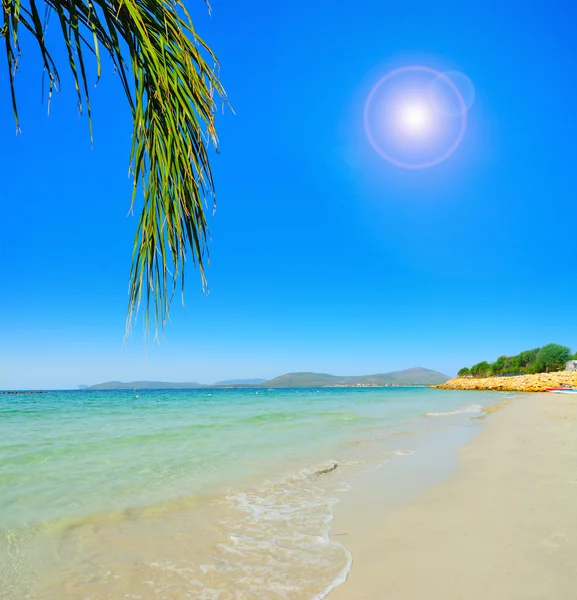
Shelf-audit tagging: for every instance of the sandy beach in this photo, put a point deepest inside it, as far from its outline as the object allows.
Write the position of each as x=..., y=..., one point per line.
x=503, y=526
x=432, y=494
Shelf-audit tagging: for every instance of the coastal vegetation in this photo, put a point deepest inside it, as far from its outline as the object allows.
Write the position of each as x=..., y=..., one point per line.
x=548, y=359
x=170, y=80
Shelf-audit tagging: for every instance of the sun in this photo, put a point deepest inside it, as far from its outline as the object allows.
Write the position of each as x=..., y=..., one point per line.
x=415, y=117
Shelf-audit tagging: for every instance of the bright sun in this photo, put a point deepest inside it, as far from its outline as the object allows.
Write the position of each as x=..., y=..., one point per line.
x=415, y=118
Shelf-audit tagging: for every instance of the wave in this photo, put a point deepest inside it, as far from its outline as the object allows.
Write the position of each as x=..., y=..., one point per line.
x=269, y=540
x=469, y=409
x=283, y=538
x=402, y=453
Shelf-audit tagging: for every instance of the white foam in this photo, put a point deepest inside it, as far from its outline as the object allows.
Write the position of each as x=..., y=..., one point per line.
x=469, y=409
x=282, y=539
x=340, y=578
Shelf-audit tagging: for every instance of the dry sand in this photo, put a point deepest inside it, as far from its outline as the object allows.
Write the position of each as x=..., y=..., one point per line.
x=503, y=527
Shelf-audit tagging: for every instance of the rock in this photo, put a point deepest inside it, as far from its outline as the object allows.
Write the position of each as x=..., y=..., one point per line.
x=519, y=383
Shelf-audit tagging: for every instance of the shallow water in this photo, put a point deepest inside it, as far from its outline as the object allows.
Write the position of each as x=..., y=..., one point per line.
x=194, y=493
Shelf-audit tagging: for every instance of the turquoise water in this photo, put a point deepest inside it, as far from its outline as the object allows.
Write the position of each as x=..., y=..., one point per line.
x=220, y=474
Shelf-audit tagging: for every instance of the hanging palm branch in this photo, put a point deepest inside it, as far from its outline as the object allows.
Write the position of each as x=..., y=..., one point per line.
x=169, y=77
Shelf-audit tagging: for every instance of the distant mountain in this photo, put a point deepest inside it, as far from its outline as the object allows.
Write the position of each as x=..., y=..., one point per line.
x=302, y=380
x=414, y=376
x=145, y=385
x=255, y=381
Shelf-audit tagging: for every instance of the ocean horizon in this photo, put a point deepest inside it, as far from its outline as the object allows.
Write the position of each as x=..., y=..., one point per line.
x=201, y=493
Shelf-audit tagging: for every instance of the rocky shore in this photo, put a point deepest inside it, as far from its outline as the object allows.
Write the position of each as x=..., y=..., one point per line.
x=519, y=383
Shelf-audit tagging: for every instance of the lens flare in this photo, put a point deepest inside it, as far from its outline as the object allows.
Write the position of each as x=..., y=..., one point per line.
x=410, y=118
x=415, y=117
x=443, y=97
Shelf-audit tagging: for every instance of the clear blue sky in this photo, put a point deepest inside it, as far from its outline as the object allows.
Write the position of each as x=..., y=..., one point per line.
x=324, y=257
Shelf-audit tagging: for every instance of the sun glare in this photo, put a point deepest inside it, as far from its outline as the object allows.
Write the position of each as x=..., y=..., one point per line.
x=415, y=118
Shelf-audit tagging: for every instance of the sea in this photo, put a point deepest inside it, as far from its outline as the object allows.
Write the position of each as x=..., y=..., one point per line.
x=208, y=494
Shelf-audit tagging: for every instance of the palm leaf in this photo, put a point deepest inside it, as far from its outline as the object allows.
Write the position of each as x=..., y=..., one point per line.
x=169, y=75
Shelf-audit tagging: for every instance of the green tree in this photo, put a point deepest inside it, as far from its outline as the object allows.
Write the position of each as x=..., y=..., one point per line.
x=515, y=365
x=498, y=366
x=527, y=358
x=552, y=357
x=169, y=77
x=482, y=369
x=464, y=372
x=511, y=365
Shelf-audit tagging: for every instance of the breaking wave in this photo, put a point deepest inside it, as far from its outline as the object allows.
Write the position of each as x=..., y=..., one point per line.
x=282, y=538
x=470, y=409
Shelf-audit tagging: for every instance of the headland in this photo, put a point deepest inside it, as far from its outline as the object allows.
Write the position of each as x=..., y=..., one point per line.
x=538, y=382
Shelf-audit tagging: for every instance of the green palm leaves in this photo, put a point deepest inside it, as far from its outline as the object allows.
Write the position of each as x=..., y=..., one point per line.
x=169, y=76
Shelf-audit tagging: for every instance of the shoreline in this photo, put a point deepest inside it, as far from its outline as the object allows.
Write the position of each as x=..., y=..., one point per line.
x=502, y=526
x=344, y=506
x=166, y=506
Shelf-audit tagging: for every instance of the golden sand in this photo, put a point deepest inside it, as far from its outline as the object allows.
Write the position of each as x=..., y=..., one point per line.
x=504, y=527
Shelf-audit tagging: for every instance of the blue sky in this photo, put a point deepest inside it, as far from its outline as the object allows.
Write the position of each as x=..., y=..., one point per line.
x=324, y=257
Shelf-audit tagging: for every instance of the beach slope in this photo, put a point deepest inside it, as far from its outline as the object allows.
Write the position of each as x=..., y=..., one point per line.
x=503, y=527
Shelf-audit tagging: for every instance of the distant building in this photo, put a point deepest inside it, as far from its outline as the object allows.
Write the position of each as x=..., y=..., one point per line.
x=571, y=365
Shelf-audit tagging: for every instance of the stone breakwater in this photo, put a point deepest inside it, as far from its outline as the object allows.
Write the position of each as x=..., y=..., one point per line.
x=519, y=383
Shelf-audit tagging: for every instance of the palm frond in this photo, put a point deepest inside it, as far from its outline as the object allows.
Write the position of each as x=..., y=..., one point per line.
x=169, y=76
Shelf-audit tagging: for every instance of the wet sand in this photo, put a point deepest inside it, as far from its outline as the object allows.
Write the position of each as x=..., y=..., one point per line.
x=502, y=527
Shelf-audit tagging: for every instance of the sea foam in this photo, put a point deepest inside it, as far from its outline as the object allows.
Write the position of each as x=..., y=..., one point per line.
x=469, y=409
x=283, y=538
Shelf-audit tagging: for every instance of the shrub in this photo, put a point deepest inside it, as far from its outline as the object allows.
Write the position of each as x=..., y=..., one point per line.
x=499, y=365
x=552, y=357
x=549, y=358
x=527, y=357
x=481, y=369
